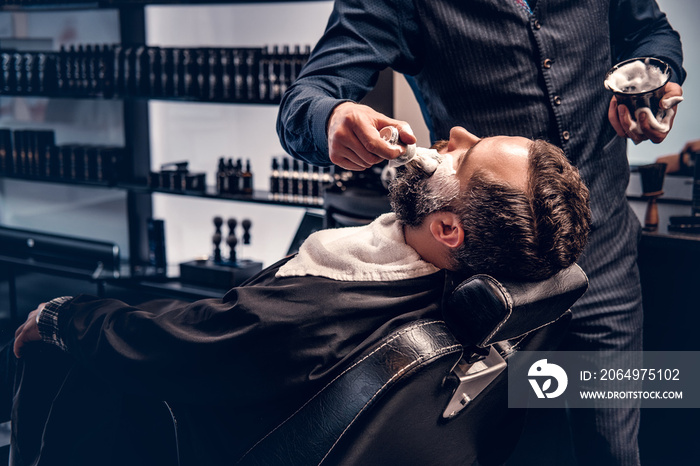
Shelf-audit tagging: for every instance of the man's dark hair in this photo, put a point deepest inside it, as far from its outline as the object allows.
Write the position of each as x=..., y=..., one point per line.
x=511, y=234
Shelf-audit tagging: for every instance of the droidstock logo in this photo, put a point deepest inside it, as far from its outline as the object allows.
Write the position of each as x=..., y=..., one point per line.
x=541, y=374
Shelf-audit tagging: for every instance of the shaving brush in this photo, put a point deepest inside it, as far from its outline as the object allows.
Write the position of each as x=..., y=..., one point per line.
x=652, y=177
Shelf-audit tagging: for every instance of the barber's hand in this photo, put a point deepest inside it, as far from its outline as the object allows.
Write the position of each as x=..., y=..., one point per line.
x=353, y=136
x=28, y=331
x=692, y=147
x=682, y=162
x=621, y=120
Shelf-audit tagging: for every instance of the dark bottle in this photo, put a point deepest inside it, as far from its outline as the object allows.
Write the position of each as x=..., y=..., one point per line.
x=252, y=60
x=179, y=76
x=74, y=82
x=90, y=78
x=263, y=75
x=100, y=57
x=201, y=70
x=285, y=190
x=167, y=72
x=274, y=70
x=155, y=71
x=247, y=179
x=315, y=186
x=118, y=70
x=6, y=151
x=239, y=76
x=226, y=70
x=221, y=178
x=65, y=67
x=305, y=184
x=20, y=77
x=31, y=73
x=296, y=181
x=189, y=73
x=295, y=64
x=7, y=73
x=275, y=180
x=237, y=181
x=139, y=82
x=128, y=67
x=215, y=75
x=81, y=70
x=232, y=177
x=285, y=77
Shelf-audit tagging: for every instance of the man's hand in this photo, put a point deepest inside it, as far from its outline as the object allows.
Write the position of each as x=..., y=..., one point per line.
x=28, y=331
x=353, y=137
x=692, y=147
x=621, y=120
x=681, y=163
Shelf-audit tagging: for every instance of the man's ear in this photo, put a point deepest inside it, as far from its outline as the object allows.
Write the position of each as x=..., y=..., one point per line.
x=447, y=229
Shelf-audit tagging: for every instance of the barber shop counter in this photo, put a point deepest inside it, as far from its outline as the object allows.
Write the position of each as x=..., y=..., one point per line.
x=669, y=263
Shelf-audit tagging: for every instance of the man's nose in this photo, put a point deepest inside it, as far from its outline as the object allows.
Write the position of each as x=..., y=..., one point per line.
x=461, y=139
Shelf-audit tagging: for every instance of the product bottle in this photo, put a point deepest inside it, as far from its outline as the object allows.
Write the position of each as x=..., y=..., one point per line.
x=286, y=180
x=275, y=180
x=247, y=179
x=263, y=75
x=305, y=184
x=315, y=186
x=296, y=192
x=221, y=178
x=232, y=177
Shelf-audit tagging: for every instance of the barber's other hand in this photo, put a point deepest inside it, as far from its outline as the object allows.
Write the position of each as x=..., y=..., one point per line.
x=28, y=331
x=621, y=120
x=353, y=136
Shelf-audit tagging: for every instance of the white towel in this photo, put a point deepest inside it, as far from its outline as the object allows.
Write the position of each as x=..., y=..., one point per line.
x=375, y=252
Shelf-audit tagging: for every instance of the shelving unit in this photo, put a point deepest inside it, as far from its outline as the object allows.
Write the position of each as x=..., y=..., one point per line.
x=136, y=123
x=138, y=130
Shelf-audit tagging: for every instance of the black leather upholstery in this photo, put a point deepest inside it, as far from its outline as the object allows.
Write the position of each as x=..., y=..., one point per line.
x=482, y=311
x=314, y=431
x=387, y=407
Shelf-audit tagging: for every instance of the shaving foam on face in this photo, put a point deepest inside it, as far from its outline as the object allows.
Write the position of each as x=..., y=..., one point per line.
x=444, y=182
x=427, y=158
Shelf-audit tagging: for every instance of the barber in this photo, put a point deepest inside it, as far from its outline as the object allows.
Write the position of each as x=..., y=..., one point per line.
x=519, y=67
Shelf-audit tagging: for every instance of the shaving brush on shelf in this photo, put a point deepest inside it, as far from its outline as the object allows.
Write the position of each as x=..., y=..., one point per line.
x=652, y=177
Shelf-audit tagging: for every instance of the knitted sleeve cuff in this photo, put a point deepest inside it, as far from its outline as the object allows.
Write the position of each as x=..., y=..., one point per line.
x=47, y=321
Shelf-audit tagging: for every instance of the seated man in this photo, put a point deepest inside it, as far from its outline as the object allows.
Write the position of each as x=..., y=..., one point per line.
x=231, y=369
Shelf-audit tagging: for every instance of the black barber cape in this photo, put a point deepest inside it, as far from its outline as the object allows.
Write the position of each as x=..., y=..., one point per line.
x=234, y=368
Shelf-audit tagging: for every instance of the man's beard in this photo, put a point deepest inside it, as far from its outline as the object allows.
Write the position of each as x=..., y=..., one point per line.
x=414, y=194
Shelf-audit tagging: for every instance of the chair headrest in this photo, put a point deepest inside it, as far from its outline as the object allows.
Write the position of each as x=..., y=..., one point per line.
x=482, y=310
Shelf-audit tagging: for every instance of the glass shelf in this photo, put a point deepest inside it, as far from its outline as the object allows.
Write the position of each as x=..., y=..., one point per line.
x=91, y=4
x=258, y=196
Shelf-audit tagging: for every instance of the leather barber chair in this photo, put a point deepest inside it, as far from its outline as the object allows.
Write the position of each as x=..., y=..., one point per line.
x=433, y=392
